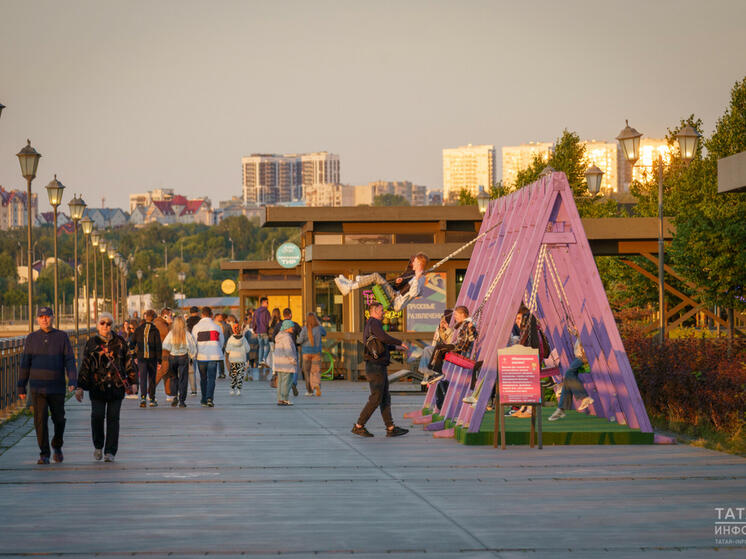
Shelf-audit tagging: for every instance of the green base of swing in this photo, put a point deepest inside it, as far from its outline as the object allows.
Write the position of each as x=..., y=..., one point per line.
x=380, y=296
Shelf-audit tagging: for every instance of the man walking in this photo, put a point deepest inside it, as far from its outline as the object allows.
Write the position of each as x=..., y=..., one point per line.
x=377, y=345
x=260, y=324
x=210, y=344
x=47, y=355
x=163, y=324
x=147, y=342
x=191, y=320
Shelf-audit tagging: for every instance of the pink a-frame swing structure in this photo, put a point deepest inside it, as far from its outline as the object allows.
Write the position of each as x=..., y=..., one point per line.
x=541, y=217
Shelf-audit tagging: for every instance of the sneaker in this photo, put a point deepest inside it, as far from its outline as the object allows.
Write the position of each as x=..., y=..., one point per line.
x=309, y=394
x=143, y=403
x=108, y=457
x=361, y=431
x=169, y=398
x=210, y=403
x=469, y=400
x=232, y=392
x=182, y=405
x=558, y=414
x=238, y=392
x=288, y=403
x=425, y=379
x=318, y=391
x=295, y=390
x=174, y=402
x=587, y=401
x=343, y=284
x=153, y=403
x=221, y=376
x=98, y=454
x=57, y=455
x=194, y=392
x=43, y=460
x=396, y=432
x=203, y=404
x=436, y=378
x=281, y=403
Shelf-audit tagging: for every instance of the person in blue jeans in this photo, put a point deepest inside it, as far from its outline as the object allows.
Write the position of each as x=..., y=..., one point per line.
x=572, y=387
x=209, y=337
x=260, y=326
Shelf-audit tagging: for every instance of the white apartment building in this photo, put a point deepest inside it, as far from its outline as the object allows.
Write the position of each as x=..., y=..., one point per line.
x=467, y=167
x=13, y=209
x=283, y=178
x=520, y=157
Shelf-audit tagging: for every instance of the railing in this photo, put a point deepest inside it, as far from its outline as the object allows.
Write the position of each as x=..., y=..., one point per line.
x=11, y=350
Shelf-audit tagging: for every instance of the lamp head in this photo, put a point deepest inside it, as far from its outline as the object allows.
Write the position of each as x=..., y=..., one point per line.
x=630, y=140
x=54, y=191
x=688, y=138
x=77, y=207
x=28, y=157
x=593, y=177
x=87, y=225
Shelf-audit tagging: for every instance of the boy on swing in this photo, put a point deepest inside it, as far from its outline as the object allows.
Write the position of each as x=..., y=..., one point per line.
x=406, y=287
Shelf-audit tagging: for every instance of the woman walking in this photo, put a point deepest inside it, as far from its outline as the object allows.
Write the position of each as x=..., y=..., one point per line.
x=237, y=353
x=106, y=372
x=182, y=347
x=310, y=342
x=285, y=361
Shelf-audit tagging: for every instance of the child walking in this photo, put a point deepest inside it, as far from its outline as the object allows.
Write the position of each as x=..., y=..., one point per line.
x=285, y=361
x=237, y=353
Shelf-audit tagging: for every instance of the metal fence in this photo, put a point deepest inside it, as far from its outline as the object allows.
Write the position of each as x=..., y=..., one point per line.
x=10, y=366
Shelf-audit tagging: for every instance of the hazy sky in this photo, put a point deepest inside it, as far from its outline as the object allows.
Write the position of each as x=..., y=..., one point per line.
x=123, y=97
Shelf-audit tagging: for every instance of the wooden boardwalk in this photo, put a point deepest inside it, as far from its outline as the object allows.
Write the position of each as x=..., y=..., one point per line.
x=251, y=478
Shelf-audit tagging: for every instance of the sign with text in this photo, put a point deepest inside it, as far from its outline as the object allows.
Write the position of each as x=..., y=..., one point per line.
x=288, y=255
x=519, y=375
x=424, y=312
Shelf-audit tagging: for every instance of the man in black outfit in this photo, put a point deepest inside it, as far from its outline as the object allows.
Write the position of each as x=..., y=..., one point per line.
x=146, y=341
x=47, y=354
x=376, y=362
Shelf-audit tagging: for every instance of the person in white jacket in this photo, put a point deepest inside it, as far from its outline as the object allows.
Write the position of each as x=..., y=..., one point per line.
x=286, y=361
x=210, y=341
x=182, y=348
x=237, y=352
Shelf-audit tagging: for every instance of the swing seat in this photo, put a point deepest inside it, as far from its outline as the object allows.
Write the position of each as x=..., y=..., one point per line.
x=380, y=296
x=460, y=360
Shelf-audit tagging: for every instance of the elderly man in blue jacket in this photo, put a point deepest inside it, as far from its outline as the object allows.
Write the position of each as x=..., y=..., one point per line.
x=47, y=356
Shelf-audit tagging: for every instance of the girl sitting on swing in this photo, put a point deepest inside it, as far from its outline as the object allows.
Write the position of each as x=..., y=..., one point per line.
x=406, y=287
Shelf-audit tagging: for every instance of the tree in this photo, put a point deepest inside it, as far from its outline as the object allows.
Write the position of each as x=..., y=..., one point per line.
x=710, y=227
x=466, y=198
x=163, y=295
x=390, y=200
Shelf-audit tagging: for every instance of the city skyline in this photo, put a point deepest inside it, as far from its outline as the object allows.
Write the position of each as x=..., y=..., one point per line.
x=117, y=103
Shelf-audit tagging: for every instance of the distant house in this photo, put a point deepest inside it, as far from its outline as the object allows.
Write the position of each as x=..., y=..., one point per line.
x=47, y=218
x=104, y=218
x=138, y=215
x=178, y=209
x=13, y=208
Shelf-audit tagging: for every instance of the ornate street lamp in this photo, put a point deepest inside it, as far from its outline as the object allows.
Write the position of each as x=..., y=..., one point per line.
x=483, y=200
x=87, y=225
x=95, y=239
x=54, y=190
x=688, y=138
x=28, y=157
x=1, y=109
x=629, y=138
x=593, y=177
x=77, y=207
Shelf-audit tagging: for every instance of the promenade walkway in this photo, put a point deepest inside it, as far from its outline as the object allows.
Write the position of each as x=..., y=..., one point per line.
x=251, y=478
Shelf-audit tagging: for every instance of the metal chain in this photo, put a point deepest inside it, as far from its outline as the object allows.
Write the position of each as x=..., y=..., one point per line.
x=495, y=281
x=532, y=304
x=560, y=288
x=467, y=245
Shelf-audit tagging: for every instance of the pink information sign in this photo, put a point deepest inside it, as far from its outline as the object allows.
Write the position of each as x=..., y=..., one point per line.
x=519, y=374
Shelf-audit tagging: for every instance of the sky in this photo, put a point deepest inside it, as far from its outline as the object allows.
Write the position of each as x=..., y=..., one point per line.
x=123, y=97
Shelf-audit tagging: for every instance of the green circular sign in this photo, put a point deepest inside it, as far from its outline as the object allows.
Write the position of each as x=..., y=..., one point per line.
x=288, y=255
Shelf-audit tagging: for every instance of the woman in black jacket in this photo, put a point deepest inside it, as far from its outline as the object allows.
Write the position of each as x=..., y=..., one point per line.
x=107, y=371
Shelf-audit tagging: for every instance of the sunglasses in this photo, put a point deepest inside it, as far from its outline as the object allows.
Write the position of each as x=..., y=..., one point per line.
x=105, y=323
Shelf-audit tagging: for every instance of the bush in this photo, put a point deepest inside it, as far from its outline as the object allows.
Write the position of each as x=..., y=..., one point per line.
x=692, y=380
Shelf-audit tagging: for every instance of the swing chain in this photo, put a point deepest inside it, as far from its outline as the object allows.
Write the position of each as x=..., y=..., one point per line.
x=560, y=289
x=532, y=304
x=467, y=245
x=494, y=283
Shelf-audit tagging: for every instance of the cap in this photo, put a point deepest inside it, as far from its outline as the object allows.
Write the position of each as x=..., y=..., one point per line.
x=45, y=311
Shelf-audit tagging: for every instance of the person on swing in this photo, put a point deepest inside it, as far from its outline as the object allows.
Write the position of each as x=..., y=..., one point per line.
x=407, y=286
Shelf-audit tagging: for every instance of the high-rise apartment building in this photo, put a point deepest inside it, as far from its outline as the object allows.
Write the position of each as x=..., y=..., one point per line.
x=282, y=178
x=650, y=148
x=467, y=167
x=519, y=157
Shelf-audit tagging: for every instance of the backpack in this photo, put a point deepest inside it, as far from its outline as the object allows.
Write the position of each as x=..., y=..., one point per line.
x=374, y=349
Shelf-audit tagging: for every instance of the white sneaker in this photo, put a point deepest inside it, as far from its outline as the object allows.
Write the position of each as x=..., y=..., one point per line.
x=238, y=392
x=469, y=400
x=309, y=394
x=232, y=392
x=343, y=284
x=98, y=454
x=558, y=414
x=108, y=457
x=587, y=401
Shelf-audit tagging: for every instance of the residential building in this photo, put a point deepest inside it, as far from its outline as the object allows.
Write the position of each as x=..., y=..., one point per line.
x=155, y=195
x=467, y=167
x=281, y=178
x=47, y=218
x=642, y=171
x=13, y=209
x=414, y=194
x=104, y=218
x=177, y=209
x=235, y=207
x=330, y=195
x=516, y=158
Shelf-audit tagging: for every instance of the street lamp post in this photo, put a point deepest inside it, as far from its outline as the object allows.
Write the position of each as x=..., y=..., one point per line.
x=125, y=295
x=165, y=254
x=139, y=289
x=630, y=140
x=483, y=200
x=233, y=252
x=182, y=277
x=593, y=177
x=87, y=225
x=77, y=207
x=110, y=252
x=102, y=250
x=95, y=239
x=54, y=191
x=28, y=157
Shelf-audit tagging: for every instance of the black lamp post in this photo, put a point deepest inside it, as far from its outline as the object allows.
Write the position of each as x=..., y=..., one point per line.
x=630, y=140
x=77, y=207
x=54, y=190
x=28, y=157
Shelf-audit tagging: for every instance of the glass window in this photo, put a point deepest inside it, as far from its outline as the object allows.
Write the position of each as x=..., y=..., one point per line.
x=328, y=239
x=372, y=239
x=460, y=276
x=393, y=321
x=428, y=238
x=328, y=303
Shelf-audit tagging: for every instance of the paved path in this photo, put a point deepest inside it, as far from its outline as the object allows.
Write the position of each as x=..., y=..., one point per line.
x=248, y=477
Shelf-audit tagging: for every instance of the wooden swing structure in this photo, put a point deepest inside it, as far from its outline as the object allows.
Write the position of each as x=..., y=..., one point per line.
x=534, y=250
